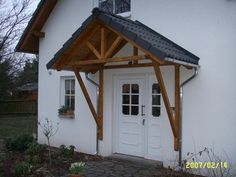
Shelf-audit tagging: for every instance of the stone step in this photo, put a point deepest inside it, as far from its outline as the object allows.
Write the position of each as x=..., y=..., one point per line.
x=136, y=160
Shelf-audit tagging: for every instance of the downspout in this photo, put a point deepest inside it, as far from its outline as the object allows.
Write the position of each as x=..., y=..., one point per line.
x=97, y=93
x=181, y=112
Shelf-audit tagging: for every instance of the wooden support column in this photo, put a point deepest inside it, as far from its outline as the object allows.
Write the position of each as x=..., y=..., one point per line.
x=103, y=42
x=100, y=104
x=177, y=106
x=135, y=53
x=165, y=97
x=87, y=97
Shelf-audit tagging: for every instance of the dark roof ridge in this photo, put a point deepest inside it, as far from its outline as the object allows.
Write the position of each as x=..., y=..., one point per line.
x=176, y=45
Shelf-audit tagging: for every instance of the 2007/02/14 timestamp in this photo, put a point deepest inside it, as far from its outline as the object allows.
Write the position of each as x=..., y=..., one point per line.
x=206, y=165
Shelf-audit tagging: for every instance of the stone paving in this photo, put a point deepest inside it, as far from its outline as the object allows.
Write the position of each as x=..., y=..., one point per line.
x=121, y=168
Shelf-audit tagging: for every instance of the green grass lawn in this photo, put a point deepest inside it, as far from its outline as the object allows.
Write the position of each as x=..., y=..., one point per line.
x=16, y=125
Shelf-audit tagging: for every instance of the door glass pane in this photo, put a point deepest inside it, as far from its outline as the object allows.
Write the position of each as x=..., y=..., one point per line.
x=126, y=88
x=156, y=89
x=125, y=110
x=156, y=99
x=125, y=99
x=134, y=110
x=134, y=99
x=156, y=111
x=135, y=88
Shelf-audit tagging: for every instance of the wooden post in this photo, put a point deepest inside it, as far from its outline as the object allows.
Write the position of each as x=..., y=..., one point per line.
x=135, y=53
x=165, y=97
x=103, y=42
x=87, y=97
x=100, y=104
x=177, y=106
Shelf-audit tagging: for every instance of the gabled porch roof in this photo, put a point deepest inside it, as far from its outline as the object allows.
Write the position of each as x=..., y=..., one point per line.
x=85, y=42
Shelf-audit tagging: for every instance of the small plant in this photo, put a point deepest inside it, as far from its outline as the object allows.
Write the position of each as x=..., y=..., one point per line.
x=35, y=153
x=67, y=151
x=49, y=130
x=76, y=167
x=62, y=110
x=19, y=143
x=65, y=111
x=21, y=169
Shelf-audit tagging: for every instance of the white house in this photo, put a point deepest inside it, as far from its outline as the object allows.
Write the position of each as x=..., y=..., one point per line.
x=138, y=61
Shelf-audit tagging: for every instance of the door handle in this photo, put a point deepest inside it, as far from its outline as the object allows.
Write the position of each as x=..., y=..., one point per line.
x=143, y=121
x=142, y=110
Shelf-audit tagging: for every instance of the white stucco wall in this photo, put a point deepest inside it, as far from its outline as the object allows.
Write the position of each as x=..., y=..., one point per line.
x=81, y=131
x=206, y=28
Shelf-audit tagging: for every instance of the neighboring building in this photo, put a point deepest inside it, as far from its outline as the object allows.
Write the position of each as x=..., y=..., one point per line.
x=28, y=91
x=137, y=115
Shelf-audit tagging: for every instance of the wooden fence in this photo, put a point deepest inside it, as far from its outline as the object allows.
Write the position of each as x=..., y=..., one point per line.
x=18, y=107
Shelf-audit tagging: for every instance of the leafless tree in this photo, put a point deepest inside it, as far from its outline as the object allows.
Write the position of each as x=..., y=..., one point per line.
x=13, y=19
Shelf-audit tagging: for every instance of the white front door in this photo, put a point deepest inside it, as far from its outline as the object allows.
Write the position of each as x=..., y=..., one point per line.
x=138, y=111
x=131, y=118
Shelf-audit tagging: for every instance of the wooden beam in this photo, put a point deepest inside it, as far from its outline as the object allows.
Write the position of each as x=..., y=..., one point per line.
x=100, y=104
x=135, y=53
x=128, y=66
x=39, y=34
x=105, y=60
x=93, y=49
x=165, y=97
x=103, y=42
x=177, y=105
x=153, y=57
x=113, y=47
x=87, y=97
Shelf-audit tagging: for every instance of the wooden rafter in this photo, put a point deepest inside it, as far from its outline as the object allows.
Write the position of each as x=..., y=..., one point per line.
x=93, y=49
x=107, y=60
x=111, y=50
x=87, y=97
x=177, y=105
x=100, y=104
x=165, y=97
x=153, y=57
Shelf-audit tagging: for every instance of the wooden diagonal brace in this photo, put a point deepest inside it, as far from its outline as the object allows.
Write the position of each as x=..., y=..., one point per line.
x=87, y=97
x=165, y=97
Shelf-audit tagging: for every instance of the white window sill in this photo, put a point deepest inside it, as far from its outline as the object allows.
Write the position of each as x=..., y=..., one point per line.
x=68, y=116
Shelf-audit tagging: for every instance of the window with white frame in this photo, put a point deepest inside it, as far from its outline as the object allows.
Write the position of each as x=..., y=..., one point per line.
x=68, y=92
x=115, y=6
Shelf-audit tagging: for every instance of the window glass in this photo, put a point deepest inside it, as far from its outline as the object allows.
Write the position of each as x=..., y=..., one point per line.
x=126, y=99
x=125, y=110
x=69, y=94
x=134, y=99
x=114, y=6
x=134, y=110
x=130, y=99
x=126, y=88
x=135, y=88
x=156, y=111
x=156, y=100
